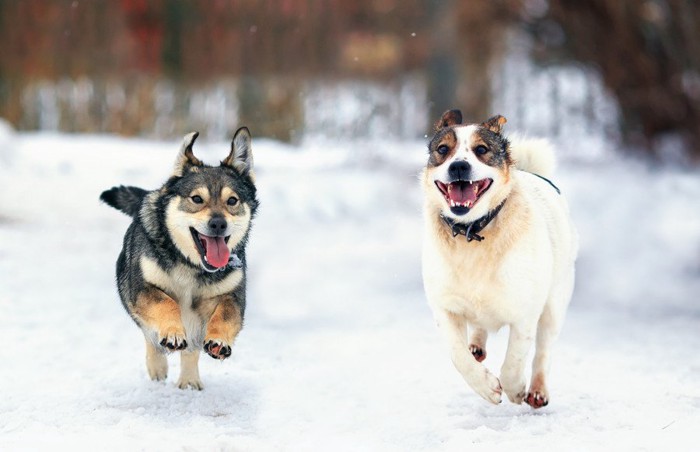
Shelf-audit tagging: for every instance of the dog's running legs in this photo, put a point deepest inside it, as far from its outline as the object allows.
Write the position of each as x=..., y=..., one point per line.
x=189, y=372
x=474, y=373
x=477, y=343
x=513, y=369
x=156, y=362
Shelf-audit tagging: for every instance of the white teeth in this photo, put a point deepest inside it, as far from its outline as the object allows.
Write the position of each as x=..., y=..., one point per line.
x=461, y=204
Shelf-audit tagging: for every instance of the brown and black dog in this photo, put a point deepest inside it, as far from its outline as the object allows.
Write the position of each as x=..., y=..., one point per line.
x=181, y=273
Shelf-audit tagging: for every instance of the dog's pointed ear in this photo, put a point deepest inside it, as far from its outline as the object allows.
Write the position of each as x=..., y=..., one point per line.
x=241, y=156
x=495, y=123
x=186, y=158
x=449, y=118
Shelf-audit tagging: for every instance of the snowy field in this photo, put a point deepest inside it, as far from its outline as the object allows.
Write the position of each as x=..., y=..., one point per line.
x=339, y=351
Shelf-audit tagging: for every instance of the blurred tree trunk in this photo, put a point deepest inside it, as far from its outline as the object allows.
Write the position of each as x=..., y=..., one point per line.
x=442, y=63
x=649, y=57
x=468, y=39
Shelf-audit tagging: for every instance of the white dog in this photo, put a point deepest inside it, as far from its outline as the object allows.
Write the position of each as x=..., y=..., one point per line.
x=499, y=249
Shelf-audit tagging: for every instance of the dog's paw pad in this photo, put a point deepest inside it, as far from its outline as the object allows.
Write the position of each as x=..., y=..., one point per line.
x=217, y=349
x=536, y=400
x=173, y=342
x=478, y=352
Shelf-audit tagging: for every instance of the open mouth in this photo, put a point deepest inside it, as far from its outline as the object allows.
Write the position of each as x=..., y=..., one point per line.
x=464, y=194
x=213, y=250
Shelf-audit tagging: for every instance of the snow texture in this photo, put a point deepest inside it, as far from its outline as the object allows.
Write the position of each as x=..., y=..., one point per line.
x=339, y=351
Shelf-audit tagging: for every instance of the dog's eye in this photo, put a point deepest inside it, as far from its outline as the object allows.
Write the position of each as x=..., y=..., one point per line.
x=442, y=149
x=232, y=201
x=197, y=199
x=481, y=150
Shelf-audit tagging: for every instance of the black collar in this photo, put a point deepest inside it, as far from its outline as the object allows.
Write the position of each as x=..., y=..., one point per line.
x=548, y=181
x=471, y=230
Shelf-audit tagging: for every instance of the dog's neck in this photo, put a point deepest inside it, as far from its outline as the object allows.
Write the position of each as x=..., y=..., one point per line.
x=471, y=230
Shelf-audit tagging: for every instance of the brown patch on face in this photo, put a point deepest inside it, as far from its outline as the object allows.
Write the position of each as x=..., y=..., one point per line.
x=448, y=119
x=197, y=200
x=226, y=203
x=495, y=146
x=442, y=147
x=225, y=322
x=211, y=204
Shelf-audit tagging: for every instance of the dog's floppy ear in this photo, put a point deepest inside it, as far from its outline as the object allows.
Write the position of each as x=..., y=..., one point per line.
x=495, y=123
x=449, y=118
x=186, y=159
x=241, y=156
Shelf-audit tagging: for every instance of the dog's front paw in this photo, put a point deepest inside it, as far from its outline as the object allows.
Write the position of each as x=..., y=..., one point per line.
x=173, y=340
x=537, y=399
x=478, y=352
x=488, y=387
x=538, y=396
x=217, y=349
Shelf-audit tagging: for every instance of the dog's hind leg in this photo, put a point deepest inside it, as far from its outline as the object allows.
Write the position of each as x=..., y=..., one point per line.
x=477, y=343
x=189, y=372
x=513, y=370
x=538, y=396
x=548, y=329
x=474, y=373
x=156, y=362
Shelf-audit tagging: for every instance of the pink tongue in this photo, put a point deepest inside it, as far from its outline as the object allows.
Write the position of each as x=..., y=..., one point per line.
x=217, y=251
x=461, y=193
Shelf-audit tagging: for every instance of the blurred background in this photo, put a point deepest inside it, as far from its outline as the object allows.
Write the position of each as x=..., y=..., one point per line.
x=340, y=348
x=623, y=72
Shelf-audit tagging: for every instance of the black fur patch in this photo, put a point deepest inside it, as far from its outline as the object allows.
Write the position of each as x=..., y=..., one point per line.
x=498, y=154
x=126, y=199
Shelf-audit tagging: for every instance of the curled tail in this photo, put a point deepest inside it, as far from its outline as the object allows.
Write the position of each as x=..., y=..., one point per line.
x=534, y=155
x=126, y=199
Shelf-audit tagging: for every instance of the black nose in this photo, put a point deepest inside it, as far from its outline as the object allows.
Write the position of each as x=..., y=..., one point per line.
x=217, y=225
x=459, y=171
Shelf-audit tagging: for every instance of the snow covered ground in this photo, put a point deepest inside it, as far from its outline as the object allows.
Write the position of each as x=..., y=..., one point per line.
x=339, y=351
